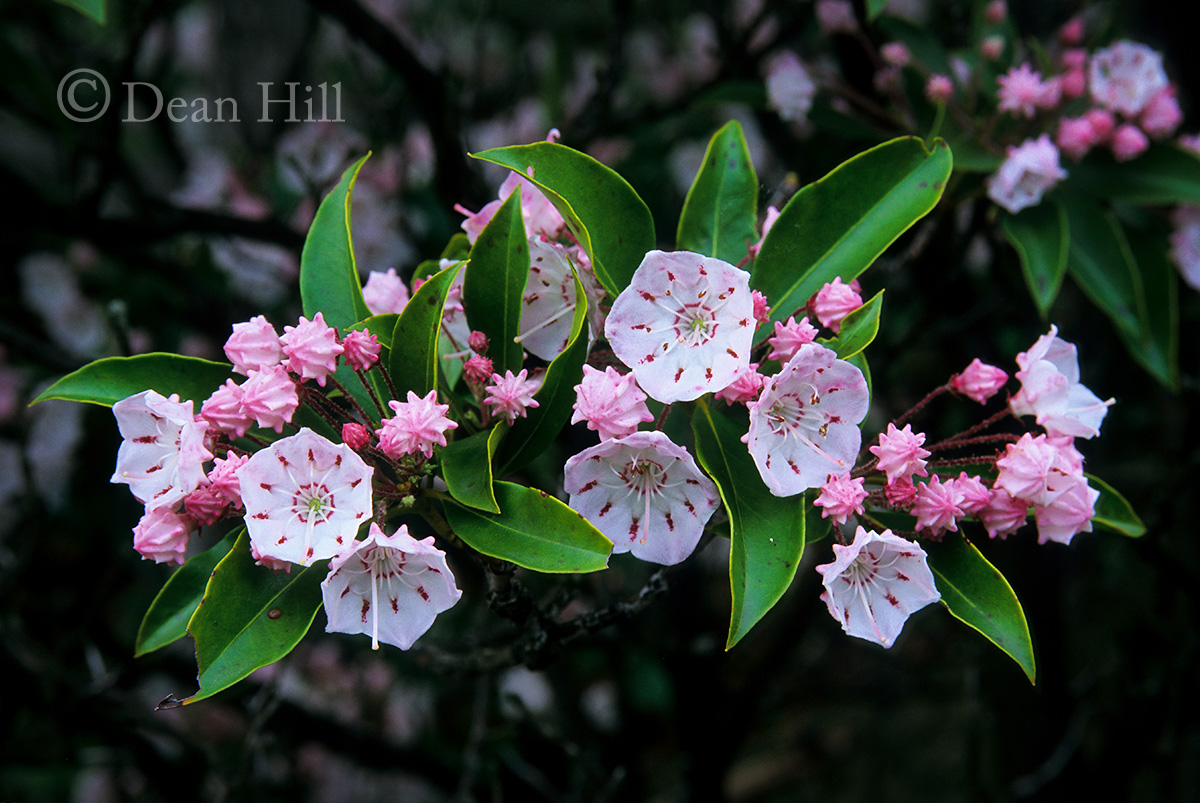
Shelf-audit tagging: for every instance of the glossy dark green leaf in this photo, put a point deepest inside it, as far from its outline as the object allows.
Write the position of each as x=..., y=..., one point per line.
x=720, y=214
x=415, y=357
x=766, y=531
x=494, y=284
x=530, y=436
x=94, y=9
x=975, y=593
x=167, y=618
x=1163, y=175
x=329, y=281
x=858, y=328
x=250, y=617
x=838, y=225
x=108, y=381
x=467, y=468
x=535, y=531
x=1042, y=237
x=1113, y=511
x=1160, y=283
x=610, y=220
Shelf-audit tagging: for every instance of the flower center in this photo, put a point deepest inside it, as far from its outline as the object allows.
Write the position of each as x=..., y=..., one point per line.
x=312, y=502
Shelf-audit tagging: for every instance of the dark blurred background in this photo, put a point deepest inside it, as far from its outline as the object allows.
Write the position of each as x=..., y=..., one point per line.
x=123, y=237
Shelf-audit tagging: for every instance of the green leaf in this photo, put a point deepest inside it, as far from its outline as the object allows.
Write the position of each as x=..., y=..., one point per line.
x=1160, y=283
x=250, y=617
x=858, y=328
x=875, y=8
x=108, y=381
x=535, y=531
x=415, y=357
x=94, y=9
x=494, y=284
x=838, y=225
x=382, y=326
x=530, y=436
x=1113, y=511
x=329, y=281
x=610, y=220
x=977, y=594
x=167, y=618
x=766, y=531
x=467, y=469
x=1163, y=175
x=1042, y=238
x=720, y=214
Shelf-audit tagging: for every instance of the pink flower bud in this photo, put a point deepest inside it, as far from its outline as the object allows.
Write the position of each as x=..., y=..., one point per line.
x=1074, y=59
x=1102, y=123
x=979, y=381
x=478, y=342
x=311, y=348
x=762, y=313
x=1003, y=515
x=972, y=493
x=253, y=345
x=360, y=349
x=896, y=54
x=205, y=505
x=356, y=436
x=841, y=497
x=833, y=302
x=478, y=369
x=745, y=388
x=937, y=506
x=996, y=12
x=1128, y=141
x=223, y=478
x=223, y=412
x=992, y=48
x=162, y=535
x=1071, y=33
x=836, y=16
x=1073, y=83
x=385, y=292
x=900, y=493
x=939, y=89
x=269, y=397
x=1161, y=116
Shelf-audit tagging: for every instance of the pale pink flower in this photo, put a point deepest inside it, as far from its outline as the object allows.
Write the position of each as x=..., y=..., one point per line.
x=900, y=453
x=1071, y=32
x=684, y=325
x=973, y=496
x=163, y=453
x=1125, y=76
x=789, y=337
x=511, y=395
x=876, y=583
x=1075, y=137
x=896, y=54
x=937, y=506
x=270, y=397
x=790, y=87
x=355, y=435
x=390, y=587
x=541, y=218
x=745, y=388
x=548, y=303
x=1102, y=123
x=205, y=505
x=1073, y=83
x=253, y=345
x=841, y=497
x=478, y=369
x=833, y=302
x=901, y=493
x=1003, y=514
x=223, y=411
x=1185, y=243
x=274, y=564
x=162, y=535
x=305, y=497
x=1021, y=91
x=312, y=348
x=1069, y=512
x=1128, y=142
x=360, y=349
x=385, y=292
x=1161, y=116
x=610, y=403
x=1030, y=468
x=939, y=88
x=836, y=16
x=992, y=47
x=979, y=381
x=804, y=426
x=223, y=480
x=1050, y=389
x=762, y=312
x=1030, y=169
x=419, y=425
x=645, y=493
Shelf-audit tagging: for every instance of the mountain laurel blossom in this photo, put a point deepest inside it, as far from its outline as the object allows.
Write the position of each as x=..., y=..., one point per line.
x=804, y=426
x=875, y=583
x=163, y=453
x=390, y=587
x=1029, y=170
x=1051, y=391
x=645, y=493
x=418, y=425
x=979, y=381
x=899, y=453
x=1125, y=77
x=305, y=497
x=610, y=403
x=684, y=325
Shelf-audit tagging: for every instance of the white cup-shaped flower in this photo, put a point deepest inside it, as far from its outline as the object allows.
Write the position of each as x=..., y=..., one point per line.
x=804, y=426
x=162, y=456
x=391, y=587
x=684, y=325
x=305, y=497
x=645, y=493
x=1051, y=391
x=876, y=583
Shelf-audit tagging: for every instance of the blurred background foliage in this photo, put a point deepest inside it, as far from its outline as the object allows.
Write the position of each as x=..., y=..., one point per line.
x=124, y=237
